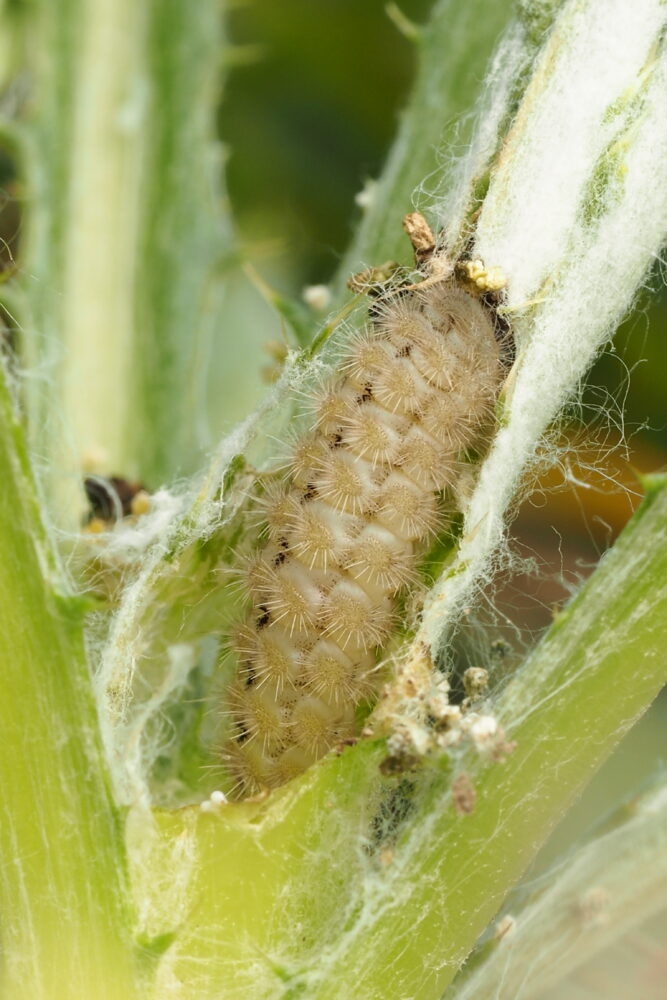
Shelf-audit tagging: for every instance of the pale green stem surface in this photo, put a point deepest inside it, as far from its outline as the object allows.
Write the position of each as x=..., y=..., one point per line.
x=598, y=669
x=64, y=907
x=125, y=227
x=593, y=897
x=286, y=889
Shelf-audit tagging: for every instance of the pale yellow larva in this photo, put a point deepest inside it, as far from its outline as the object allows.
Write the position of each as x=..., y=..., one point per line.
x=346, y=526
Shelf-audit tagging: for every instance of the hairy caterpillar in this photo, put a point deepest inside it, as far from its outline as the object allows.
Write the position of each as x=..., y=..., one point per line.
x=361, y=498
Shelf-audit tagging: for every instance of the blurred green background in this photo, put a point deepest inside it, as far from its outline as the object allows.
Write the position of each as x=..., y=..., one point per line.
x=308, y=119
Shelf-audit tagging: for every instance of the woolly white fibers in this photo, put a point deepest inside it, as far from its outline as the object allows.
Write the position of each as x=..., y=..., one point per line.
x=580, y=100
x=576, y=216
x=127, y=708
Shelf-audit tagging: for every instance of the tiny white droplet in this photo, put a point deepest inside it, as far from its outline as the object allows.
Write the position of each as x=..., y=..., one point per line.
x=318, y=297
x=365, y=198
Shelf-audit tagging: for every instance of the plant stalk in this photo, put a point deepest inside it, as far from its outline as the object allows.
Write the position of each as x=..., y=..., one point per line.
x=400, y=927
x=125, y=231
x=66, y=917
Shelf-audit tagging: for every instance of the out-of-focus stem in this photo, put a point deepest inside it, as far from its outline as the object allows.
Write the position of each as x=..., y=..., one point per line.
x=64, y=905
x=595, y=896
x=125, y=228
x=455, y=48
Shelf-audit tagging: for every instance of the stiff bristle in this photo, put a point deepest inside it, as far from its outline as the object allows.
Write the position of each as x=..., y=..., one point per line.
x=331, y=674
x=380, y=562
x=293, y=598
x=275, y=509
x=259, y=718
x=365, y=357
x=452, y=418
x=406, y=510
x=307, y=456
x=317, y=725
x=428, y=463
x=332, y=408
x=400, y=388
x=273, y=664
x=347, y=484
x=374, y=434
x=353, y=619
x=319, y=534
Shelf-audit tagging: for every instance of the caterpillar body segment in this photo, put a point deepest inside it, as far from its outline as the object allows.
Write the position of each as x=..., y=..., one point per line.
x=344, y=531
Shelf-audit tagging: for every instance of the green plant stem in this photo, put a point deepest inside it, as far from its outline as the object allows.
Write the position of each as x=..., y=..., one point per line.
x=455, y=48
x=63, y=894
x=125, y=228
x=598, y=669
x=377, y=932
x=592, y=897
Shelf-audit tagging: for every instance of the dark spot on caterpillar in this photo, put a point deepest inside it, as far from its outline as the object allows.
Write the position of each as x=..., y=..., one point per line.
x=405, y=351
x=263, y=618
x=366, y=395
x=241, y=736
x=501, y=328
x=310, y=492
x=336, y=440
x=279, y=558
x=249, y=678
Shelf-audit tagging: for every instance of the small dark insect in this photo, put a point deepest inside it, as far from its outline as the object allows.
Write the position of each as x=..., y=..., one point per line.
x=113, y=498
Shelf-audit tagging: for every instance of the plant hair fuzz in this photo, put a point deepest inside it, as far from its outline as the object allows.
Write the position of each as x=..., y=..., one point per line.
x=345, y=524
